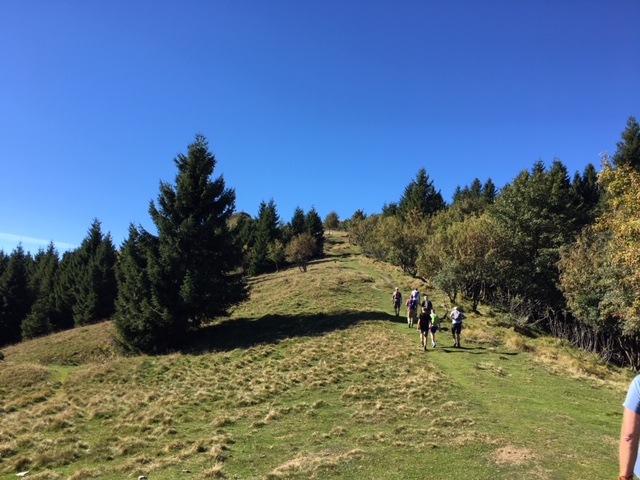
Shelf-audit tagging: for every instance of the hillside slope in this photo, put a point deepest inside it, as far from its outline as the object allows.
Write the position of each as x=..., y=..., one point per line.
x=312, y=377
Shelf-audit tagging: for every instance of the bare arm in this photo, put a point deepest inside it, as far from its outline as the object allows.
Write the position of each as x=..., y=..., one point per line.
x=629, y=442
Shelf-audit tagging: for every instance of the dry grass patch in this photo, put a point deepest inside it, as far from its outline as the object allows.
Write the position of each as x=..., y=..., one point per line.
x=512, y=455
x=312, y=465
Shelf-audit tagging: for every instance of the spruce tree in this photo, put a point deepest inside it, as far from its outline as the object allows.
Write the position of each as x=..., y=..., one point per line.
x=422, y=196
x=298, y=222
x=94, y=287
x=40, y=320
x=15, y=296
x=141, y=318
x=63, y=297
x=192, y=267
x=314, y=227
x=267, y=232
x=628, y=148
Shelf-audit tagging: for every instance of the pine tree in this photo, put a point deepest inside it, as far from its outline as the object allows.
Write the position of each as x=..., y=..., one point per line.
x=63, y=297
x=266, y=233
x=192, y=266
x=94, y=287
x=489, y=192
x=628, y=148
x=422, y=196
x=298, y=222
x=40, y=320
x=141, y=318
x=15, y=296
x=314, y=227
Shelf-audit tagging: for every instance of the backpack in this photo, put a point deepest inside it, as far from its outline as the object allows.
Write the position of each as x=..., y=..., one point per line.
x=413, y=303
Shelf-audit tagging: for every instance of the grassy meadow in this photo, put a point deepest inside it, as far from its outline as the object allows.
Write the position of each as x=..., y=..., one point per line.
x=314, y=377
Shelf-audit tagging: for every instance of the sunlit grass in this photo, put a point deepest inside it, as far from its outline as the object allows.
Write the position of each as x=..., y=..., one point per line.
x=311, y=378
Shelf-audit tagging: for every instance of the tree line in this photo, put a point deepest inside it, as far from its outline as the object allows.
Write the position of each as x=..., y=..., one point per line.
x=548, y=250
x=158, y=287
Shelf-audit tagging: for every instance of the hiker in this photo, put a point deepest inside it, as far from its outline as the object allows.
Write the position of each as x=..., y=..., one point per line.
x=412, y=311
x=423, y=327
x=396, y=298
x=629, y=460
x=426, y=303
x=416, y=294
x=456, y=325
x=434, y=325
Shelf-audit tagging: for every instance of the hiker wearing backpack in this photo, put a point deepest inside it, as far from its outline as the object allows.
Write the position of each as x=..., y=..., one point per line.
x=426, y=303
x=396, y=298
x=456, y=325
x=423, y=327
x=412, y=311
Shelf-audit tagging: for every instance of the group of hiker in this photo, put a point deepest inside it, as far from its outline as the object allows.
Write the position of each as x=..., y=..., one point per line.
x=427, y=321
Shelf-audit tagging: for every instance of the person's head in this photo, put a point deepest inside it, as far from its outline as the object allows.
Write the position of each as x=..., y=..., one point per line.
x=424, y=309
x=396, y=289
x=455, y=308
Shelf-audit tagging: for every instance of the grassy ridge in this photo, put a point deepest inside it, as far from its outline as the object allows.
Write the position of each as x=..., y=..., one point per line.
x=313, y=377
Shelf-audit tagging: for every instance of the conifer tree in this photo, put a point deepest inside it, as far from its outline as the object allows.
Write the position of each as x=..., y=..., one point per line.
x=628, y=148
x=422, y=196
x=94, y=286
x=314, y=227
x=141, y=318
x=193, y=266
x=266, y=233
x=15, y=296
x=489, y=192
x=63, y=297
x=298, y=222
x=40, y=320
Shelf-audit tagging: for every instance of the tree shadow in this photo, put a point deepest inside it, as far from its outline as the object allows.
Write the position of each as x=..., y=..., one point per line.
x=245, y=333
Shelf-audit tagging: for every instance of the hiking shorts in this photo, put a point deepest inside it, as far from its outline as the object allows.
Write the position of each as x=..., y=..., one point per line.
x=433, y=328
x=456, y=328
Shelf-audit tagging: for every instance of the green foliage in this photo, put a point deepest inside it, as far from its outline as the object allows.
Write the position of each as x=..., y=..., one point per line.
x=94, y=286
x=276, y=253
x=300, y=250
x=41, y=319
x=190, y=273
x=536, y=213
x=267, y=231
x=628, y=148
x=141, y=316
x=420, y=195
x=15, y=296
x=298, y=222
x=313, y=226
x=332, y=221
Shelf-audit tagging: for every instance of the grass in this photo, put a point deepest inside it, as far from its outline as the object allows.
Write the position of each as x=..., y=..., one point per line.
x=311, y=378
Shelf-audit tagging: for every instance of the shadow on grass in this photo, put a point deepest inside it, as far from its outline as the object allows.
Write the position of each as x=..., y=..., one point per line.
x=476, y=350
x=245, y=333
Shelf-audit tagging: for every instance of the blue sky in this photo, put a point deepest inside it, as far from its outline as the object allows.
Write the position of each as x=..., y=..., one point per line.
x=328, y=104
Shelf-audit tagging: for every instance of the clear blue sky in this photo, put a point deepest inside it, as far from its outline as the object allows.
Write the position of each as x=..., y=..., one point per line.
x=335, y=104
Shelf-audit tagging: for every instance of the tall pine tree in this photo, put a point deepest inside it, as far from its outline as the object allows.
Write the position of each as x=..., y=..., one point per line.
x=192, y=267
x=94, y=285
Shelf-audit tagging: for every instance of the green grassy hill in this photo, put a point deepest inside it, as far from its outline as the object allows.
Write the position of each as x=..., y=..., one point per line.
x=312, y=378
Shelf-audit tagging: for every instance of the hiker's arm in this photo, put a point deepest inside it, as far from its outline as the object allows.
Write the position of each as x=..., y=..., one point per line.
x=629, y=442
